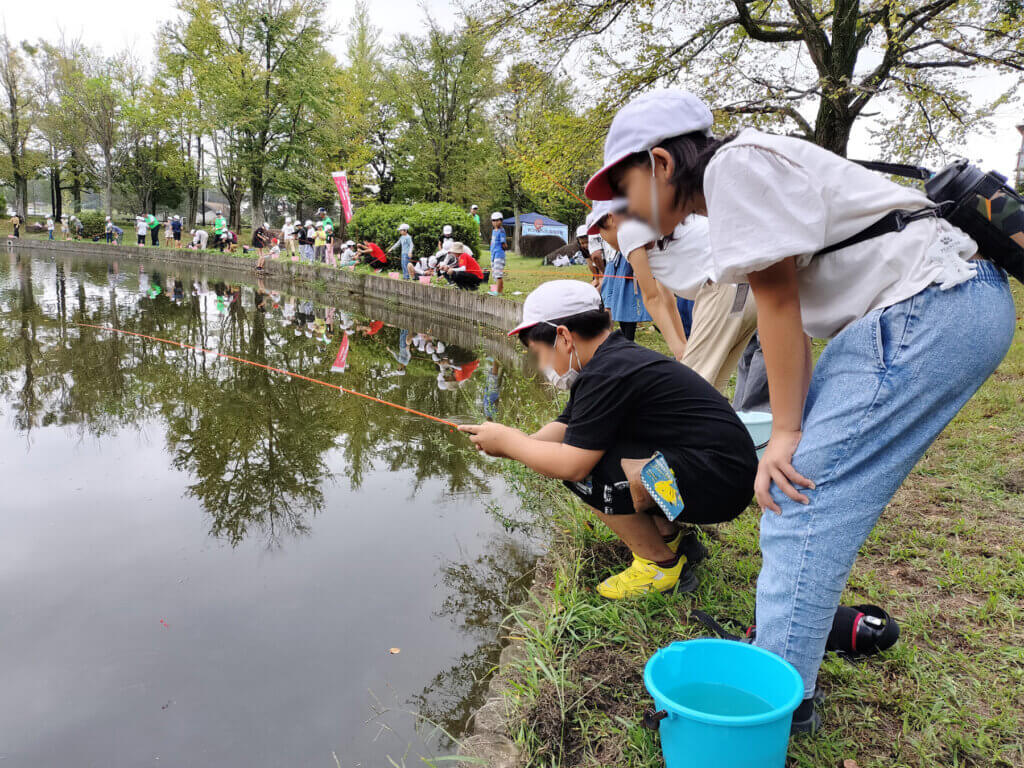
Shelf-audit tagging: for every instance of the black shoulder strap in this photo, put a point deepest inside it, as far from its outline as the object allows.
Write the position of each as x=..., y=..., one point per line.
x=896, y=169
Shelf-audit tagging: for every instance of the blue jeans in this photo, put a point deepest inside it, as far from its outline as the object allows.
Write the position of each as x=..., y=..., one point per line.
x=882, y=391
x=405, y=265
x=49, y=234
x=307, y=252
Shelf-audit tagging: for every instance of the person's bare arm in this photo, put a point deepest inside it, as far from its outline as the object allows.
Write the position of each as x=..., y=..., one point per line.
x=556, y=460
x=552, y=433
x=787, y=360
x=660, y=303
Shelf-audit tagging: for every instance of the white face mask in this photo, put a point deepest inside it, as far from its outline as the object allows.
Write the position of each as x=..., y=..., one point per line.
x=655, y=223
x=563, y=381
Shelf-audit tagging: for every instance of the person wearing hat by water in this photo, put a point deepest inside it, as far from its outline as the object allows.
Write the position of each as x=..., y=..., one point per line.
x=108, y=230
x=464, y=271
x=499, y=245
x=176, y=230
x=154, y=229
x=404, y=242
x=917, y=321
x=288, y=232
x=200, y=237
x=636, y=422
x=618, y=291
x=474, y=211
x=140, y=229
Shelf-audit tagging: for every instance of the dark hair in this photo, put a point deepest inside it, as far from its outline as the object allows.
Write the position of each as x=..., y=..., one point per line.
x=586, y=325
x=690, y=153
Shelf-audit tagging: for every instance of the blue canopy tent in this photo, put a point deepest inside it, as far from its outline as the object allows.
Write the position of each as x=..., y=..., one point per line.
x=539, y=225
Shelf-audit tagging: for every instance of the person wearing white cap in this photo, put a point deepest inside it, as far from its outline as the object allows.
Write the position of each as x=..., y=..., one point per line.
x=598, y=251
x=619, y=292
x=499, y=245
x=474, y=211
x=631, y=412
x=288, y=233
x=176, y=230
x=108, y=230
x=917, y=322
x=724, y=315
x=447, y=233
x=405, y=242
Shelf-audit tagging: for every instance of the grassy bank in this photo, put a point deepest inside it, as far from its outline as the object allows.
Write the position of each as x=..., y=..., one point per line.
x=946, y=559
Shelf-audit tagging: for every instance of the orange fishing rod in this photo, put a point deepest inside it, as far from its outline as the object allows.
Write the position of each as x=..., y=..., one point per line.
x=275, y=370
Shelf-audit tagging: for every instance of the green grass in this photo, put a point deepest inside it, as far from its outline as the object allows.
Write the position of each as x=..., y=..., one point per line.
x=946, y=559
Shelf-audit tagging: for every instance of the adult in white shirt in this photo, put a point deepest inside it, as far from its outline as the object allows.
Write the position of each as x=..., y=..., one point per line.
x=200, y=237
x=916, y=322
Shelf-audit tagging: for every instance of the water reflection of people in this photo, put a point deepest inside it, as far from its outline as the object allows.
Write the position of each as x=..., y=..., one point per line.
x=492, y=389
x=403, y=355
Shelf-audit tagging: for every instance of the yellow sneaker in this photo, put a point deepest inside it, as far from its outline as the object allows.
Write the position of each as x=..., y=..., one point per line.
x=641, y=577
x=674, y=544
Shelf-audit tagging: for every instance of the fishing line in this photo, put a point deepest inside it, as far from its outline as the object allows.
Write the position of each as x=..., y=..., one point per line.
x=272, y=368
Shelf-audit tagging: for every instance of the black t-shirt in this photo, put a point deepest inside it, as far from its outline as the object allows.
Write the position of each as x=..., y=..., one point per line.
x=630, y=401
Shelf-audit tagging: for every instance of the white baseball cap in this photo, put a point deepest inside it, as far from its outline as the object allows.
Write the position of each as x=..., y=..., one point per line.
x=644, y=123
x=446, y=229
x=309, y=223
x=556, y=299
x=473, y=207
x=496, y=216
x=601, y=209
x=581, y=230
x=403, y=226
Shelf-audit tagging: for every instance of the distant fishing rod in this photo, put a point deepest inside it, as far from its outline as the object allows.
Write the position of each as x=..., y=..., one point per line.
x=272, y=368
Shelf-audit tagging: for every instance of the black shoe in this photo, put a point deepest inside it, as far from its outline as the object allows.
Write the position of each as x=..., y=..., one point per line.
x=692, y=549
x=806, y=718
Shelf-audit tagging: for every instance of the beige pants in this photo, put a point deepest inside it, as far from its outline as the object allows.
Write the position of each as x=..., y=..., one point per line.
x=724, y=320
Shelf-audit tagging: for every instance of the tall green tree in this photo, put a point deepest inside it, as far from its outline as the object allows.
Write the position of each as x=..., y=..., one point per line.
x=442, y=81
x=814, y=67
x=16, y=88
x=264, y=72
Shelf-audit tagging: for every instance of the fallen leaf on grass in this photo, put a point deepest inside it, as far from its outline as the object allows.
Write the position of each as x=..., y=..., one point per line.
x=848, y=763
x=399, y=650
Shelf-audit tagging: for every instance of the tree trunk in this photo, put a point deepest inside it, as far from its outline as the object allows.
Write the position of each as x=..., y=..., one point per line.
x=256, y=197
x=191, y=206
x=21, y=195
x=76, y=182
x=108, y=183
x=832, y=128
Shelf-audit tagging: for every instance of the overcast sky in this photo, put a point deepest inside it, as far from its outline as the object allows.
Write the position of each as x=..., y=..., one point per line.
x=115, y=24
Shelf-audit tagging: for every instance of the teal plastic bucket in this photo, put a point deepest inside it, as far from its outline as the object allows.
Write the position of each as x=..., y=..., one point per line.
x=722, y=704
x=759, y=425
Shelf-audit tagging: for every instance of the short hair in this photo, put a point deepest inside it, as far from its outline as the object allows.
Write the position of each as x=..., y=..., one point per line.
x=587, y=325
x=690, y=153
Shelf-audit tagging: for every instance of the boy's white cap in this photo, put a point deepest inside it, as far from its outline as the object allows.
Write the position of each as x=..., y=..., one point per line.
x=108, y=218
x=473, y=207
x=403, y=226
x=645, y=122
x=556, y=299
x=581, y=230
x=309, y=223
x=496, y=216
x=446, y=229
x=601, y=209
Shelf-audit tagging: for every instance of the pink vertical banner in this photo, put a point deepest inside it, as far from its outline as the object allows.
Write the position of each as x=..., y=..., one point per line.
x=341, y=182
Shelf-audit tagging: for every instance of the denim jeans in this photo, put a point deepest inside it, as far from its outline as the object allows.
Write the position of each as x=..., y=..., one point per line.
x=405, y=265
x=882, y=391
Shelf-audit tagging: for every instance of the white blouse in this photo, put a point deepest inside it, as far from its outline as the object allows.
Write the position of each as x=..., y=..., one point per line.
x=772, y=197
x=681, y=263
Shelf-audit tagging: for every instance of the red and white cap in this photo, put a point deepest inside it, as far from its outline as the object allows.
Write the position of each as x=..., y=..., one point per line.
x=644, y=123
x=556, y=299
x=601, y=209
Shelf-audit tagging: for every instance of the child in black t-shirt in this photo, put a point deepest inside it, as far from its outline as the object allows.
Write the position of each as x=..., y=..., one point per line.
x=631, y=412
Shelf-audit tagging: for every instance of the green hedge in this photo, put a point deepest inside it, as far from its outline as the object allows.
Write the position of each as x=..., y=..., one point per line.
x=379, y=224
x=93, y=223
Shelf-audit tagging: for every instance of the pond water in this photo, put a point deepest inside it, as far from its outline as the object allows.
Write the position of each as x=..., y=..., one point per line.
x=206, y=563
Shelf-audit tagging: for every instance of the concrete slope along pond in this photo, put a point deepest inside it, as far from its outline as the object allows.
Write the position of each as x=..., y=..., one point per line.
x=207, y=562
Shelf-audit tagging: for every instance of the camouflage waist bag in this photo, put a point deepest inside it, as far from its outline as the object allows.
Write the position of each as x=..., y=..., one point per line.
x=981, y=204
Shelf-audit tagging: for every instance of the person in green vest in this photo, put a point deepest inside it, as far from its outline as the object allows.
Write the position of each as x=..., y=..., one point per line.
x=474, y=211
x=153, y=224
x=220, y=226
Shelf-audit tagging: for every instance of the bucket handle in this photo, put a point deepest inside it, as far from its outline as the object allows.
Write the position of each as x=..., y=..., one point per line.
x=652, y=719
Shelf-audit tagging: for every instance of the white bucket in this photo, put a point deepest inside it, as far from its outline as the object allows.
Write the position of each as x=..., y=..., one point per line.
x=760, y=427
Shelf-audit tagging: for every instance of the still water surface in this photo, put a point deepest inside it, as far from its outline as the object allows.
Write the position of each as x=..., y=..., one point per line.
x=204, y=563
